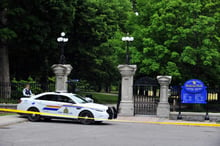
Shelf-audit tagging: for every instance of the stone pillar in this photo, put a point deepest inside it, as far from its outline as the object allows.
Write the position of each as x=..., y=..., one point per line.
x=127, y=103
x=163, y=109
x=61, y=71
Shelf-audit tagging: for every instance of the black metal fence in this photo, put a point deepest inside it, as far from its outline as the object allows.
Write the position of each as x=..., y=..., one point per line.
x=146, y=92
x=146, y=99
x=213, y=101
x=12, y=92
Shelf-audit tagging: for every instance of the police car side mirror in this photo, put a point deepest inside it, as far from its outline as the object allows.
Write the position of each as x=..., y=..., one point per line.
x=90, y=100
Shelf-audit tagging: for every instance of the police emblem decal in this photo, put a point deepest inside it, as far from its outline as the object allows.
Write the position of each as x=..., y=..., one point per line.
x=66, y=110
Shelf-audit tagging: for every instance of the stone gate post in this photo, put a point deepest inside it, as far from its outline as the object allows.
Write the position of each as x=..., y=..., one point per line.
x=127, y=103
x=163, y=109
x=61, y=71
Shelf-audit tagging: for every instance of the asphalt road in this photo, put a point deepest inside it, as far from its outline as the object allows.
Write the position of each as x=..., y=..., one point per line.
x=68, y=133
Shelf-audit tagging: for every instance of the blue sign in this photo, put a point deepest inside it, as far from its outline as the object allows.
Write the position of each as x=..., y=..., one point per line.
x=194, y=91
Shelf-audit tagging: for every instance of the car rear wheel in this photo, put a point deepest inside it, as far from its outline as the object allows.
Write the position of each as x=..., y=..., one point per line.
x=86, y=117
x=33, y=117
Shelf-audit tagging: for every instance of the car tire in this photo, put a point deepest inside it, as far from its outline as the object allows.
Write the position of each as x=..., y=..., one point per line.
x=34, y=117
x=98, y=122
x=46, y=119
x=86, y=117
x=115, y=112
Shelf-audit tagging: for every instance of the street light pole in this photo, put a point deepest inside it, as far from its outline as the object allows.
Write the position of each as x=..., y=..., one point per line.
x=127, y=39
x=127, y=53
x=62, y=40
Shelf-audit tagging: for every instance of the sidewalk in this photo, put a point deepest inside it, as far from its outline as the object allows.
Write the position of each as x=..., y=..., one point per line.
x=143, y=118
x=11, y=119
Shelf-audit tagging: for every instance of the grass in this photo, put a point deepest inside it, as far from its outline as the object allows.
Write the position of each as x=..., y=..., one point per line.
x=101, y=98
x=114, y=92
x=6, y=114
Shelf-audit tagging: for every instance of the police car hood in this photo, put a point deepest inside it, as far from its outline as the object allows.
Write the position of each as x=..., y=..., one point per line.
x=95, y=105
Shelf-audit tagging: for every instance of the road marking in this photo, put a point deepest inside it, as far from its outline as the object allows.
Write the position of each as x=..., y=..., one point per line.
x=114, y=120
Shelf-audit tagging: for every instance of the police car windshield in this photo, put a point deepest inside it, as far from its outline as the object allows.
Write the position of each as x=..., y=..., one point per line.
x=79, y=99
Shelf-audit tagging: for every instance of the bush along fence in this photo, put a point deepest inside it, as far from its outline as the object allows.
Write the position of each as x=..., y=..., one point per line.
x=12, y=92
x=213, y=101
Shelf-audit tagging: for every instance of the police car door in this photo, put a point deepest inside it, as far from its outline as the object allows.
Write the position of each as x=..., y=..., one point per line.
x=48, y=104
x=68, y=107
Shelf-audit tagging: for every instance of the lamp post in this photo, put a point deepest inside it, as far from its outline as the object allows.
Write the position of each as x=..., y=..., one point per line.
x=127, y=39
x=62, y=40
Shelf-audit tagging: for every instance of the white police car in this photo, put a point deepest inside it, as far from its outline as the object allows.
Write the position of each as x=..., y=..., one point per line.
x=61, y=105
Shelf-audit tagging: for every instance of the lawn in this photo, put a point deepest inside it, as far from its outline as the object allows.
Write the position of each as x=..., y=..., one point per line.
x=102, y=98
x=6, y=114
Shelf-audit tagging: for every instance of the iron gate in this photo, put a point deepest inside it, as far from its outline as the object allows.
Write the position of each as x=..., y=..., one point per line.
x=146, y=93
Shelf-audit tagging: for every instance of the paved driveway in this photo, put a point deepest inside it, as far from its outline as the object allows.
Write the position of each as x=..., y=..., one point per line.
x=68, y=133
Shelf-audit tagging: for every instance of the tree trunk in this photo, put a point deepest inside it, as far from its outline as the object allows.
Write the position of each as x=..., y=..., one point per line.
x=4, y=65
x=5, y=88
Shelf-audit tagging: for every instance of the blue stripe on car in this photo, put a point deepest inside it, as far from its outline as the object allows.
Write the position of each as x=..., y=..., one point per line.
x=51, y=109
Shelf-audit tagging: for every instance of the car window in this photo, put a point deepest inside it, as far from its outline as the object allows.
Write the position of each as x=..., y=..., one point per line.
x=79, y=99
x=48, y=97
x=62, y=98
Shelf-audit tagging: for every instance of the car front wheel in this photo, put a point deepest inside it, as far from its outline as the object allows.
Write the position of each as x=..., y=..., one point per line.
x=33, y=117
x=86, y=117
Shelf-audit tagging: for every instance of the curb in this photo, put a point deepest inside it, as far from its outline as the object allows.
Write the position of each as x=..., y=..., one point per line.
x=161, y=121
x=11, y=119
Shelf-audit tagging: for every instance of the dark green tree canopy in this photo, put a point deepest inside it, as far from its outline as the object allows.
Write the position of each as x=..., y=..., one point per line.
x=33, y=27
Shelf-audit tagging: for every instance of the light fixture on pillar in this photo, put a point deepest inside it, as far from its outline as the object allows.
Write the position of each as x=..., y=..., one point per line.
x=62, y=40
x=127, y=39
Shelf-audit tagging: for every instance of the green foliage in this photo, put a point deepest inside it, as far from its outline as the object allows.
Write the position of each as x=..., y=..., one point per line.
x=178, y=38
x=83, y=85
x=175, y=37
x=37, y=24
x=29, y=81
x=6, y=34
x=90, y=26
x=18, y=86
x=52, y=79
x=96, y=23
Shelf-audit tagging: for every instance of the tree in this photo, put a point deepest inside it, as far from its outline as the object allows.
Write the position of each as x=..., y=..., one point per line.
x=96, y=23
x=37, y=24
x=5, y=34
x=177, y=38
x=90, y=25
